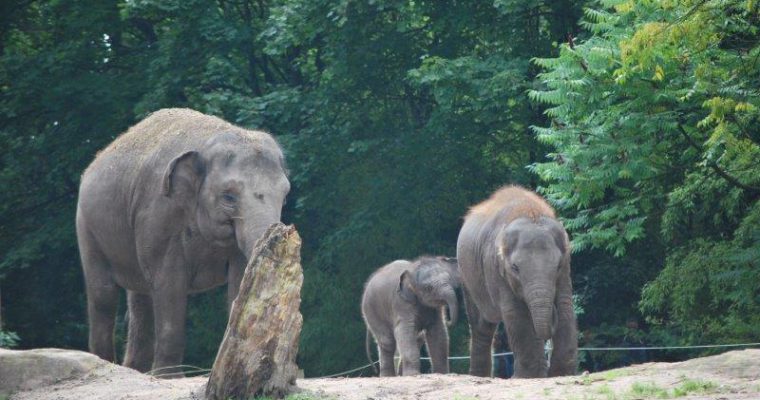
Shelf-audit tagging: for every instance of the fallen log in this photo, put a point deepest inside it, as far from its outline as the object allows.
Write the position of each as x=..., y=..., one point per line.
x=257, y=355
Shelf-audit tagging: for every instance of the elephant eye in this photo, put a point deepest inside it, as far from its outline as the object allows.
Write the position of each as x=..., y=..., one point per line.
x=515, y=268
x=229, y=198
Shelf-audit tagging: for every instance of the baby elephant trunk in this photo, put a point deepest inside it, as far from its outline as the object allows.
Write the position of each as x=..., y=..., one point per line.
x=453, y=306
x=542, y=312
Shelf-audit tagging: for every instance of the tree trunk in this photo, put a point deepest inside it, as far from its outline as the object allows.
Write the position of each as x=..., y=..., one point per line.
x=258, y=352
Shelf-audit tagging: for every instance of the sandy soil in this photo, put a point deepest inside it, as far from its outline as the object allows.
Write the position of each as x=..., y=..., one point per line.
x=732, y=375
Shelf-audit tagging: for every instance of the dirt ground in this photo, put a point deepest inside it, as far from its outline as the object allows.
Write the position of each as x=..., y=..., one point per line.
x=732, y=375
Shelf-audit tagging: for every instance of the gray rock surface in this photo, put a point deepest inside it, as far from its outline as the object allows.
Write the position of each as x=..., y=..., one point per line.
x=30, y=369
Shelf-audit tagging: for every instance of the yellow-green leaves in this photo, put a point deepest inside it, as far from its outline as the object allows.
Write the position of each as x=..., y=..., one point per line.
x=669, y=98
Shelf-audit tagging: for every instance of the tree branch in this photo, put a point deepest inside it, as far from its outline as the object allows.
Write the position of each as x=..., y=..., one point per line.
x=755, y=191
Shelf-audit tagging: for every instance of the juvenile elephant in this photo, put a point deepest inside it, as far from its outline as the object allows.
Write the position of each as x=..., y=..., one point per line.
x=171, y=207
x=404, y=300
x=514, y=257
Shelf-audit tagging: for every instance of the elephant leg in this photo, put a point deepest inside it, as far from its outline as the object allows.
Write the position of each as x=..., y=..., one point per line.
x=102, y=301
x=564, y=359
x=400, y=364
x=386, y=347
x=437, y=342
x=140, y=337
x=528, y=349
x=407, y=339
x=481, y=339
x=170, y=311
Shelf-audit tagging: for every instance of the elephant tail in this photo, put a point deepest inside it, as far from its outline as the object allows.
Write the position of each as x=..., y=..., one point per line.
x=368, y=348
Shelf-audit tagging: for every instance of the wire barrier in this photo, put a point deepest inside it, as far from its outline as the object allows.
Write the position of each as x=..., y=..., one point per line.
x=704, y=346
x=185, y=369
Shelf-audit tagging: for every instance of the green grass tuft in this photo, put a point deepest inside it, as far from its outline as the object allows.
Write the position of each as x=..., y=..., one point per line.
x=614, y=373
x=690, y=386
x=607, y=392
x=649, y=390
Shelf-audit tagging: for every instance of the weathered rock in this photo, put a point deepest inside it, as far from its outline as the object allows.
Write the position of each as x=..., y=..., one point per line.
x=29, y=369
x=258, y=352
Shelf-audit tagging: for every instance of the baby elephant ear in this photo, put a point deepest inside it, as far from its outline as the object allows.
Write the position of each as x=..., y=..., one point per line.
x=406, y=287
x=501, y=247
x=183, y=175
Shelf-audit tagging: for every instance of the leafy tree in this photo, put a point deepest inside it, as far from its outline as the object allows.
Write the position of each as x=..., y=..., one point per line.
x=653, y=126
x=66, y=75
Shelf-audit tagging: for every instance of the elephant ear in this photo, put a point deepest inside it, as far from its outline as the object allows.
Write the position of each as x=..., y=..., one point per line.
x=183, y=176
x=504, y=242
x=563, y=243
x=406, y=287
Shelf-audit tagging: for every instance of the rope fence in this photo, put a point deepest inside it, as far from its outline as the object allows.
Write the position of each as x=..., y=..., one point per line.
x=185, y=369
x=192, y=369
x=704, y=346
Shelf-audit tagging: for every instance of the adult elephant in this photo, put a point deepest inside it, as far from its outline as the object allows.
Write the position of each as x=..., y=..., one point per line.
x=514, y=258
x=171, y=207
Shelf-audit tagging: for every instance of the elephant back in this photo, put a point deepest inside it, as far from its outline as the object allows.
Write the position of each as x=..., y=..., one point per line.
x=512, y=202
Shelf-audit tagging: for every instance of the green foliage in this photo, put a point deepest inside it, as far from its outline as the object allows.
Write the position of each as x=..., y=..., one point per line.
x=66, y=78
x=8, y=339
x=659, y=108
x=708, y=289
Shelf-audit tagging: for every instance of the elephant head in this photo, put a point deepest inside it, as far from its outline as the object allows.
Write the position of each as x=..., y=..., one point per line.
x=433, y=282
x=531, y=256
x=233, y=187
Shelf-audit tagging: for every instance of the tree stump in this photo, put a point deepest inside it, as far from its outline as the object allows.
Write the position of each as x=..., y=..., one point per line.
x=257, y=355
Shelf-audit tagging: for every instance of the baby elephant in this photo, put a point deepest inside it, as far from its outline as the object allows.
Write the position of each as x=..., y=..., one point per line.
x=404, y=300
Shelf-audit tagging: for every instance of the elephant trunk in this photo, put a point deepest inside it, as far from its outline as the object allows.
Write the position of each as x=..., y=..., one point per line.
x=453, y=306
x=247, y=234
x=541, y=306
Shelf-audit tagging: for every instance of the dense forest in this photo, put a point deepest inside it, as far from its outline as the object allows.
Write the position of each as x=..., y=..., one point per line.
x=638, y=119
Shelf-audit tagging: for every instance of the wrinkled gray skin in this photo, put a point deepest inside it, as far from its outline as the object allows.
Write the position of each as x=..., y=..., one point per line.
x=171, y=207
x=403, y=304
x=516, y=269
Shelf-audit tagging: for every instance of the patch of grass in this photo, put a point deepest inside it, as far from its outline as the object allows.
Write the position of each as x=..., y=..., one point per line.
x=690, y=386
x=606, y=391
x=648, y=390
x=460, y=397
x=614, y=373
